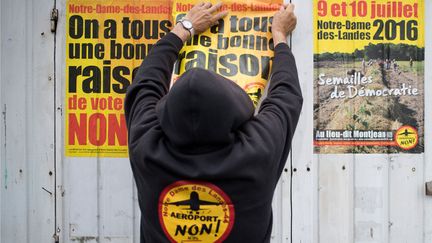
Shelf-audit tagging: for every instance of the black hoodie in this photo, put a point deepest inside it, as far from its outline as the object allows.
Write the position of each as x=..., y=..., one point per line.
x=205, y=167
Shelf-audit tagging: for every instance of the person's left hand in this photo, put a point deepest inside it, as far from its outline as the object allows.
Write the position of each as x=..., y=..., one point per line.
x=202, y=16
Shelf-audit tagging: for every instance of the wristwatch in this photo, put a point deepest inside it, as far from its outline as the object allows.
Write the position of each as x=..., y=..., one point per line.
x=187, y=25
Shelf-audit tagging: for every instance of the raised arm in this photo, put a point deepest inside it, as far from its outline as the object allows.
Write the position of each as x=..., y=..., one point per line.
x=284, y=97
x=280, y=110
x=151, y=81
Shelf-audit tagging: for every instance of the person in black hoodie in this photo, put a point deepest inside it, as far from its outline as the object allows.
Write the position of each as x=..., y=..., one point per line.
x=205, y=166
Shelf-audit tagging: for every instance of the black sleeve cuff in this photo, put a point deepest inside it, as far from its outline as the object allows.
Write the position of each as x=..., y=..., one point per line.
x=281, y=47
x=175, y=40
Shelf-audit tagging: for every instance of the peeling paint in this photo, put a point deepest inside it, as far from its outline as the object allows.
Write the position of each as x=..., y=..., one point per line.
x=368, y=231
x=46, y=190
x=368, y=199
x=85, y=239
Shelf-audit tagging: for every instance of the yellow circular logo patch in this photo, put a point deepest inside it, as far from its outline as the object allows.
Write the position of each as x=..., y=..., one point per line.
x=194, y=211
x=255, y=92
x=406, y=137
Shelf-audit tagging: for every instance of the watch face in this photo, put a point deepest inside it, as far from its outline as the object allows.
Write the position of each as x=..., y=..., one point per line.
x=187, y=24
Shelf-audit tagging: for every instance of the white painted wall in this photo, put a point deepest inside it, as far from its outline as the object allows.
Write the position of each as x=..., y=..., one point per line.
x=304, y=168
x=427, y=216
x=27, y=106
x=1, y=120
x=99, y=202
x=376, y=198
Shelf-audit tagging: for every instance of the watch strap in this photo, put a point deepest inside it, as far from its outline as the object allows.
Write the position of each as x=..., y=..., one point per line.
x=191, y=30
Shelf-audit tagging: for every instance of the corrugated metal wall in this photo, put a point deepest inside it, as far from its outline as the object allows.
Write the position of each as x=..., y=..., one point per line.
x=328, y=198
x=27, y=123
x=354, y=198
x=99, y=202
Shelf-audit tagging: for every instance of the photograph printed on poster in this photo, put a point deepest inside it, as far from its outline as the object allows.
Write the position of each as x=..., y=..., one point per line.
x=369, y=76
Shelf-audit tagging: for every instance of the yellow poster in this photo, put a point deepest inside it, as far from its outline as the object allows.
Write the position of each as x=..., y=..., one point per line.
x=346, y=25
x=369, y=76
x=105, y=44
x=239, y=48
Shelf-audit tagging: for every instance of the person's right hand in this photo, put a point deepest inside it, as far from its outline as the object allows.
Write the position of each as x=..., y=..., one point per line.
x=284, y=22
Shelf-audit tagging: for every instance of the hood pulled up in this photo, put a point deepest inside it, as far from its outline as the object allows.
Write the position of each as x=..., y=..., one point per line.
x=203, y=109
